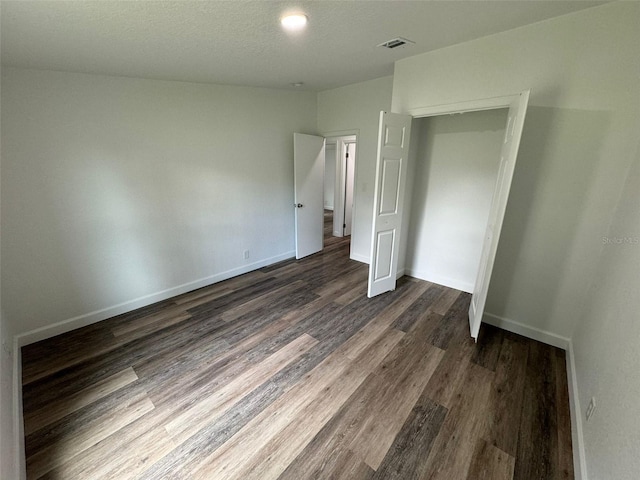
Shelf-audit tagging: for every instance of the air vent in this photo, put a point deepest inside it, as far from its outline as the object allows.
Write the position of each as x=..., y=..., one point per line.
x=396, y=42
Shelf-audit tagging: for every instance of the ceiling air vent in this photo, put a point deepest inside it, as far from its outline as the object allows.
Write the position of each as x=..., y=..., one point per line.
x=396, y=42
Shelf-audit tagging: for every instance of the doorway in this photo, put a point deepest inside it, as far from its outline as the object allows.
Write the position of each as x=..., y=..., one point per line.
x=455, y=161
x=339, y=184
x=316, y=169
x=394, y=136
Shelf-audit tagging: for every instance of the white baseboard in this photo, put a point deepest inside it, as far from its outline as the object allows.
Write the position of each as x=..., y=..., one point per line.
x=579, y=459
x=445, y=281
x=359, y=258
x=526, y=331
x=97, y=316
x=328, y=207
x=577, y=438
x=65, y=326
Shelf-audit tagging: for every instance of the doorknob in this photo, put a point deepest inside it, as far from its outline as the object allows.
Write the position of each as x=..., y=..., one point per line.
x=298, y=205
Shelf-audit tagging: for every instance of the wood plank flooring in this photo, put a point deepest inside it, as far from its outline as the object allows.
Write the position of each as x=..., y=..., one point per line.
x=291, y=372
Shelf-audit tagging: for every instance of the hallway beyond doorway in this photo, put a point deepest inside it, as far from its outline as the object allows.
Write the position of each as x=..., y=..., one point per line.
x=329, y=239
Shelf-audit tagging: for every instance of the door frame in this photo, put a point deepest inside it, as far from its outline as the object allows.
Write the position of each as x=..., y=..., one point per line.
x=341, y=182
x=474, y=105
x=349, y=164
x=337, y=135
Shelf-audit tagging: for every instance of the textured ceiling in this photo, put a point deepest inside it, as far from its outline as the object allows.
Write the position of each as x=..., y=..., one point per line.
x=241, y=42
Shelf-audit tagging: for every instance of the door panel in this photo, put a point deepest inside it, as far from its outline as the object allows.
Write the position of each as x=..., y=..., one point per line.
x=393, y=136
x=509, y=155
x=384, y=255
x=308, y=172
x=391, y=172
x=390, y=186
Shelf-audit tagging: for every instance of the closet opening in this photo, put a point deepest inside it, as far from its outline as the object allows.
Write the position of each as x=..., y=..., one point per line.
x=463, y=177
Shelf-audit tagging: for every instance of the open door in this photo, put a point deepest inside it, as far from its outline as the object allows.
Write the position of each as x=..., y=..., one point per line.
x=508, y=156
x=308, y=174
x=391, y=174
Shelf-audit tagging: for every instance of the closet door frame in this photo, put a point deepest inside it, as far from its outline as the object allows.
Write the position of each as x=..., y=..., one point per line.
x=517, y=105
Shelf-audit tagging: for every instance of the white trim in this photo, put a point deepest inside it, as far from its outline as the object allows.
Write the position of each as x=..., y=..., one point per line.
x=338, y=232
x=359, y=258
x=341, y=133
x=102, y=314
x=18, y=423
x=340, y=182
x=440, y=280
x=550, y=338
x=543, y=336
x=463, y=107
x=579, y=458
x=577, y=438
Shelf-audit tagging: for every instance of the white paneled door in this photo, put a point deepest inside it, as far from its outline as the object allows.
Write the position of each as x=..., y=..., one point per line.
x=508, y=156
x=308, y=173
x=391, y=175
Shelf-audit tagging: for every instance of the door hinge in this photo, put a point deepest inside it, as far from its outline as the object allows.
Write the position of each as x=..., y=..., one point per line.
x=344, y=225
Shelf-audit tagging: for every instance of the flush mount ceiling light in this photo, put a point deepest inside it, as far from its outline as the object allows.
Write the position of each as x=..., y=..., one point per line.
x=294, y=22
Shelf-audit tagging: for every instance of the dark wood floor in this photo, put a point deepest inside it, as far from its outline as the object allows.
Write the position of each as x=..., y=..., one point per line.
x=291, y=372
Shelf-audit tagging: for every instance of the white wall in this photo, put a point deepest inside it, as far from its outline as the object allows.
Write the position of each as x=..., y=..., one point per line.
x=606, y=345
x=329, y=175
x=571, y=188
x=8, y=455
x=7, y=435
x=7, y=443
x=116, y=189
x=455, y=175
x=577, y=143
x=347, y=110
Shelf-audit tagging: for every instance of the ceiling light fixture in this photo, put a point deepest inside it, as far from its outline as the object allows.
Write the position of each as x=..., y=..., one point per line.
x=294, y=22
